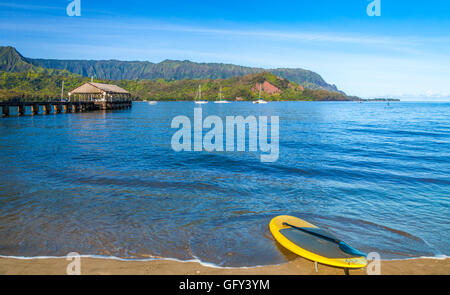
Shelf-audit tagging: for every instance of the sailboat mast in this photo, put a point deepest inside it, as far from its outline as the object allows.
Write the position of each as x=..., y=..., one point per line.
x=259, y=90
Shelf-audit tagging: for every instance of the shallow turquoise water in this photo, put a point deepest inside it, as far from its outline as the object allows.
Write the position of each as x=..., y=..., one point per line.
x=109, y=183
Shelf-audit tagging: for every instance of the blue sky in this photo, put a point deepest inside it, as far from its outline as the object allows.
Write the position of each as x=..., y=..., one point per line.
x=404, y=53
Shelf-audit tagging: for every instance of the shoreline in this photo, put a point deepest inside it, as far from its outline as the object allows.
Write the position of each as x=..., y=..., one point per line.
x=167, y=266
x=249, y=100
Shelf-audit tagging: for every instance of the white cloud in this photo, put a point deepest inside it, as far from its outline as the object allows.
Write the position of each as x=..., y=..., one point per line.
x=358, y=64
x=30, y=7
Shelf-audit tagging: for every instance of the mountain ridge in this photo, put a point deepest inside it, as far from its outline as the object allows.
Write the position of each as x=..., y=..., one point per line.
x=23, y=78
x=12, y=61
x=177, y=70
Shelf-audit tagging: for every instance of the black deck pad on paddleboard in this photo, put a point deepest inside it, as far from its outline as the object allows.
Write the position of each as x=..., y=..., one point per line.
x=315, y=244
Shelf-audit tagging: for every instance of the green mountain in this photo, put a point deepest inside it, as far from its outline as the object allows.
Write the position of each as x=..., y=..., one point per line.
x=12, y=61
x=175, y=70
x=47, y=86
x=240, y=87
x=24, y=78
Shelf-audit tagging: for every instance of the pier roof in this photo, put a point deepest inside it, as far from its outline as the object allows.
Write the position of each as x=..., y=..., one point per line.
x=98, y=88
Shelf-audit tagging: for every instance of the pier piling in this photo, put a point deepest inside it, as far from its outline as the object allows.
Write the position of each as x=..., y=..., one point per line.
x=21, y=110
x=35, y=109
x=57, y=108
x=62, y=106
x=46, y=108
x=5, y=111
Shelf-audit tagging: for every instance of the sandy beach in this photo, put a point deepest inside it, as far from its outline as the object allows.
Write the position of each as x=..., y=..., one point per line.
x=299, y=266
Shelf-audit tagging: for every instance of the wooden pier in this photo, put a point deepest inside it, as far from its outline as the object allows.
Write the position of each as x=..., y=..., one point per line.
x=88, y=97
x=48, y=107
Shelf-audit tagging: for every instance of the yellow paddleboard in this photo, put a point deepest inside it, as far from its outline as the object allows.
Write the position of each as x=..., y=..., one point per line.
x=314, y=243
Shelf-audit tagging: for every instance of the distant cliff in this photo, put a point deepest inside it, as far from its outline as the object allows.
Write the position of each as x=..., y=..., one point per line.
x=25, y=78
x=12, y=61
x=176, y=70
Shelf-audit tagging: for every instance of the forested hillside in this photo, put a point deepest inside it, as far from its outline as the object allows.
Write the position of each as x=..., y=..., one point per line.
x=12, y=61
x=43, y=86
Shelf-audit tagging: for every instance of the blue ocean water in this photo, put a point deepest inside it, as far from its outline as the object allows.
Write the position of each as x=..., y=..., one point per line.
x=109, y=183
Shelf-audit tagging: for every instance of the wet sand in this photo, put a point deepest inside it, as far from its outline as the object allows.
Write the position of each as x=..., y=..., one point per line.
x=299, y=266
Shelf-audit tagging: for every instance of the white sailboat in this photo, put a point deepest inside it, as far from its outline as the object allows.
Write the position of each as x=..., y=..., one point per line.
x=260, y=100
x=220, y=97
x=199, y=96
x=152, y=102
